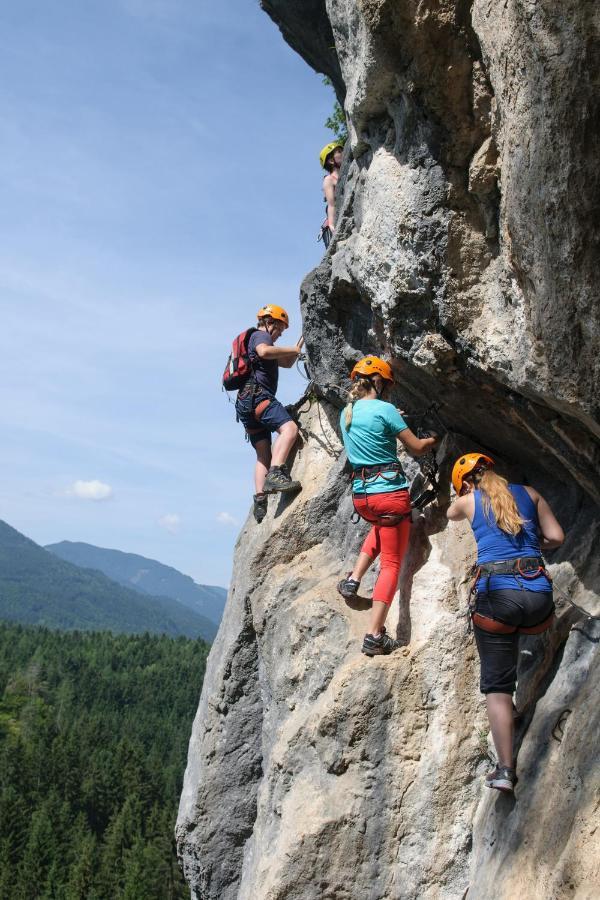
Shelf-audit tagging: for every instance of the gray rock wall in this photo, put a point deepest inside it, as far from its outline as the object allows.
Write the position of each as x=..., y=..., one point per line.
x=465, y=248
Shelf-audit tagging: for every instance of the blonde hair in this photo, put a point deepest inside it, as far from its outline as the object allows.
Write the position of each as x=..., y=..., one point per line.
x=360, y=388
x=497, y=499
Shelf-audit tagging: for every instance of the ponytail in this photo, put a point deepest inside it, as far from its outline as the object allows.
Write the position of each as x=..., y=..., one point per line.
x=498, y=501
x=360, y=388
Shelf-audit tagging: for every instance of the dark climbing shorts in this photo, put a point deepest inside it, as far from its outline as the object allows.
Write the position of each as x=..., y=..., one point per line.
x=273, y=417
x=499, y=653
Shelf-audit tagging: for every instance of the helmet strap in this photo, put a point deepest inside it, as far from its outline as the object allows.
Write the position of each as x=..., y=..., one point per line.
x=379, y=391
x=477, y=474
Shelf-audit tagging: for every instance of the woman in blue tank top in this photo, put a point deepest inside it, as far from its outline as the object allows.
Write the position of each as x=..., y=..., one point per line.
x=512, y=524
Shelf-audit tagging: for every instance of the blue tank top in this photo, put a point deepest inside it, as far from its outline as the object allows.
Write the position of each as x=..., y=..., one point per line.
x=493, y=544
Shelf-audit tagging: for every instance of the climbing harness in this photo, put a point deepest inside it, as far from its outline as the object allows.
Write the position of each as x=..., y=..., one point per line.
x=493, y=626
x=367, y=475
x=382, y=521
x=528, y=568
x=247, y=393
x=325, y=233
x=523, y=567
x=260, y=408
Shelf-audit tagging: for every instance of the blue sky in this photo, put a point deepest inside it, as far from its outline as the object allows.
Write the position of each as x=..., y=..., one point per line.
x=160, y=182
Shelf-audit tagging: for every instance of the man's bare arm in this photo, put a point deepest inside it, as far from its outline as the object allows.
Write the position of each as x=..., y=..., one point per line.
x=265, y=351
x=288, y=361
x=329, y=191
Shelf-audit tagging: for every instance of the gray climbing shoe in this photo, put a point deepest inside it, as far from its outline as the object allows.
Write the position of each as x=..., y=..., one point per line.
x=260, y=507
x=379, y=646
x=278, y=481
x=503, y=778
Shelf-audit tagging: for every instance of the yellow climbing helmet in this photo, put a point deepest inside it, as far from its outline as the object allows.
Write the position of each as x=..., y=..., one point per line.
x=464, y=465
x=327, y=150
x=275, y=312
x=372, y=365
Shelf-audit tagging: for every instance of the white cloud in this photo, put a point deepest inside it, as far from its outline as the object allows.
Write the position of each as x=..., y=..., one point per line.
x=224, y=518
x=90, y=490
x=171, y=522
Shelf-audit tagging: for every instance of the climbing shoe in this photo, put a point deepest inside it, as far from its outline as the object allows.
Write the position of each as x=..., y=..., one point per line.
x=348, y=587
x=278, y=481
x=502, y=778
x=260, y=507
x=379, y=646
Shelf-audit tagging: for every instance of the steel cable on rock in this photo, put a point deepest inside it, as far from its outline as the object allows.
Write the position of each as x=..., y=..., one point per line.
x=296, y=409
x=584, y=612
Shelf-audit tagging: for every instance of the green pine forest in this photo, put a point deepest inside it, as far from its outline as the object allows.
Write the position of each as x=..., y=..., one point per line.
x=94, y=730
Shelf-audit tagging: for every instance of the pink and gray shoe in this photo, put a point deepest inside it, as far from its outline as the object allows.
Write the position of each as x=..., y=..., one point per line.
x=503, y=778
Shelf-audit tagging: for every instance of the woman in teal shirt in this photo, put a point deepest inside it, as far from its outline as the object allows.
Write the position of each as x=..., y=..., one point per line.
x=370, y=429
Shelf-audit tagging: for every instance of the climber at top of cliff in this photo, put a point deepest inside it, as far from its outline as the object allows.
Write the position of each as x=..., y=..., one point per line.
x=330, y=158
x=370, y=428
x=261, y=413
x=511, y=523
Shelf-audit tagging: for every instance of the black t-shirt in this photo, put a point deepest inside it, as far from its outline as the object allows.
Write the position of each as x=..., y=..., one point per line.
x=266, y=371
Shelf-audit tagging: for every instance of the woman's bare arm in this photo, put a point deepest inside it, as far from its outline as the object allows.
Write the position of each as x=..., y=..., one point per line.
x=416, y=446
x=551, y=534
x=461, y=508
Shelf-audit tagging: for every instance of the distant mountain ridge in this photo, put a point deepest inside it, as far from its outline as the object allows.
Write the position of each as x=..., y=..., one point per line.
x=148, y=576
x=38, y=588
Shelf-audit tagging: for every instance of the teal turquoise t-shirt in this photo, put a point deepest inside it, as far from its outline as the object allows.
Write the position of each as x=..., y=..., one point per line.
x=371, y=441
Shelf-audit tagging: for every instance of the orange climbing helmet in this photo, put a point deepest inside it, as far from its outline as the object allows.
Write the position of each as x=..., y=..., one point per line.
x=466, y=464
x=372, y=365
x=275, y=312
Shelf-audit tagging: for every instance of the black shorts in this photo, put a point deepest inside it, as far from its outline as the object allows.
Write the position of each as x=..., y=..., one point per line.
x=499, y=653
x=274, y=416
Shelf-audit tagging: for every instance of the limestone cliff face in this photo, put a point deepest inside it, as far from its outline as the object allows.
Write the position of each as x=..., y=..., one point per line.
x=466, y=250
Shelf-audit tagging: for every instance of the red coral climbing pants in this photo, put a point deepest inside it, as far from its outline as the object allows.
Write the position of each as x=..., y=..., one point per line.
x=387, y=542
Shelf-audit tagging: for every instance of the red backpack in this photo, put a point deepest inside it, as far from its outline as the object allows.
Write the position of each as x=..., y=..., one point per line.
x=239, y=368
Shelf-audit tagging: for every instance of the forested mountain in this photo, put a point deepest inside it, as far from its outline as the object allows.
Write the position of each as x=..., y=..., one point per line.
x=37, y=588
x=145, y=575
x=94, y=730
